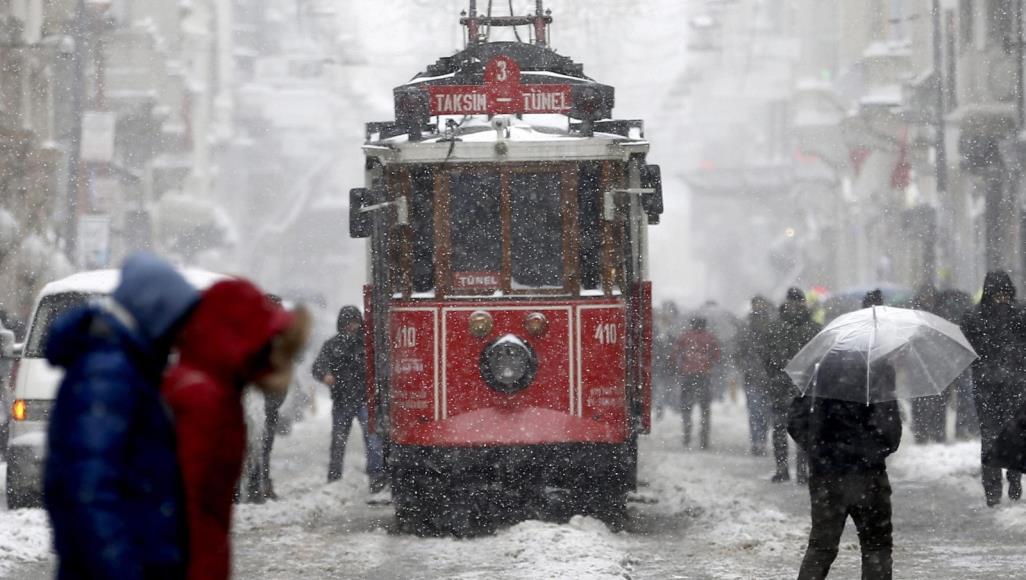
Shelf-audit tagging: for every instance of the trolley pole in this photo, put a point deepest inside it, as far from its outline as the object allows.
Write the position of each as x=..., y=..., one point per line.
x=940, y=149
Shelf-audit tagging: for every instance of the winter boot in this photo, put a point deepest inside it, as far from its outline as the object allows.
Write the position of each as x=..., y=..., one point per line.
x=1014, y=489
x=780, y=477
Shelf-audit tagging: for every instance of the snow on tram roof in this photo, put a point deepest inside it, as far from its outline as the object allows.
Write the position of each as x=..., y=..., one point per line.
x=539, y=73
x=478, y=129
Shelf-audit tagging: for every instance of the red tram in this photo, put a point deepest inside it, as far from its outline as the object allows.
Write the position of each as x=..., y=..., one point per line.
x=506, y=218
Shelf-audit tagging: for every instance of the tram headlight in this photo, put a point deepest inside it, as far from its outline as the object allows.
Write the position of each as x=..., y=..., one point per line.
x=508, y=365
x=536, y=324
x=480, y=323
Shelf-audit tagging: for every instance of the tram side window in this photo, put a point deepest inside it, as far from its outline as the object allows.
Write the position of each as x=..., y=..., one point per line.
x=475, y=222
x=589, y=199
x=536, y=220
x=422, y=220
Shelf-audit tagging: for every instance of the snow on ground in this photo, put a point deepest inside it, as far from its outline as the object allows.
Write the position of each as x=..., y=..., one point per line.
x=24, y=537
x=697, y=514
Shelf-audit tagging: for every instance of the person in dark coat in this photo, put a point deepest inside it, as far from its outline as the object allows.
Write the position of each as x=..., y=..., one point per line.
x=996, y=329
x=342, y=366
x=112, y=483
x=752, y=353
x=272, y=408
x=697, y=352
x=952, y=305
x=235, y=337
x=929, y=414
x=848, y=443
x=794, y=329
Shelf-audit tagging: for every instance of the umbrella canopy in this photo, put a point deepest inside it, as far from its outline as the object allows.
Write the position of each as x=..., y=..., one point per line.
x=881, y=354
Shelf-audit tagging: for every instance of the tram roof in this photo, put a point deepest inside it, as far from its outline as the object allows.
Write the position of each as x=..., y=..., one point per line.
x=531, y=138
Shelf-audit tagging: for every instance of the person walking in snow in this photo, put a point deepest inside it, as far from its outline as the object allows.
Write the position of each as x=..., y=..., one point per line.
x=697, y=352
x=929, y=414
x=996, y=329
x=751, y=354
x=235, y=337
x=112, y=483
x=272, y=409
x=793, y=330
x=342, y=366
x=847, y=445
x=952, y=305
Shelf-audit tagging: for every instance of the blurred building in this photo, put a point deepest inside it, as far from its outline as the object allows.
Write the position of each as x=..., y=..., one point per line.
x=825, y=121
x=107, y=107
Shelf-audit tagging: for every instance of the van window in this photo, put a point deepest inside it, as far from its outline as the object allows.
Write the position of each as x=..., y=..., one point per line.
x=50, y=308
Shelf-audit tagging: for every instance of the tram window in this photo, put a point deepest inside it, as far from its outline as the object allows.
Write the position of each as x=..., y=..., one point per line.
x=588, y=222
x=475, y=227
x=422, y=220
x=536, y=220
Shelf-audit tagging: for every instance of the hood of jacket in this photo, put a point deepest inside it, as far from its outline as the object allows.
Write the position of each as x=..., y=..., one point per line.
x=82, y=330
x=233, y=323
x=997, y=282
x=345, y=316
x=155, y=295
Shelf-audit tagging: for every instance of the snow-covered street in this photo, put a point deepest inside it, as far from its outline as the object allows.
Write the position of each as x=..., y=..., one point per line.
x=699, y=515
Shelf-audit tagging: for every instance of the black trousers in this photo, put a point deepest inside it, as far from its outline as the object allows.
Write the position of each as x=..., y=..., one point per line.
x=757, y=397
x=695, y=390
x=781, y=408
x=995, y=407
x=867, y=499
x=342, y=416
x=271, y=406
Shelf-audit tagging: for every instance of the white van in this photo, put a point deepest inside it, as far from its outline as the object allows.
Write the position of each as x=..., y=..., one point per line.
x=36, y=382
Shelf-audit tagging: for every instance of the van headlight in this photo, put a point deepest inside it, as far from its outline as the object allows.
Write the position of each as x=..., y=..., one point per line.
x=508, y=364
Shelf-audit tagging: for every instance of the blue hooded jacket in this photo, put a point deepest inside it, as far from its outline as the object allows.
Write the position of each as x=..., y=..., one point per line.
x=112, y=482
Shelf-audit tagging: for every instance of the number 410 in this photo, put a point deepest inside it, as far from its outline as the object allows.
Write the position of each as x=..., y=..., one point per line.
x=605, y=333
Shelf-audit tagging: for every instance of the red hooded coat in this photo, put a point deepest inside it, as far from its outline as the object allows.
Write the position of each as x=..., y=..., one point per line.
x=233, y=323
x=697, y=352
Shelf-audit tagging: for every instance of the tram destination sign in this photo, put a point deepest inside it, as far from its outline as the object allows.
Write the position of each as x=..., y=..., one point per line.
x=501, y=94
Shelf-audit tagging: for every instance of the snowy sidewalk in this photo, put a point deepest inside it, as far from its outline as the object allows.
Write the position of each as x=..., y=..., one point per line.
x=710, y=514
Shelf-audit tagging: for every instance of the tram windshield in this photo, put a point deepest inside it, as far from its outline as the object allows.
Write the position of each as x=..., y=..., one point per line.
x=536, y=230
x=475, y=218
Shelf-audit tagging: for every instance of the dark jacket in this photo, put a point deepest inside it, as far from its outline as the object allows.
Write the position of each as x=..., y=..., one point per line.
x=793, y=330
x=344, y=357
x=231, y=326
x=843, y=437
x=112, y=485
x=753, y=344
x=997, y=331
